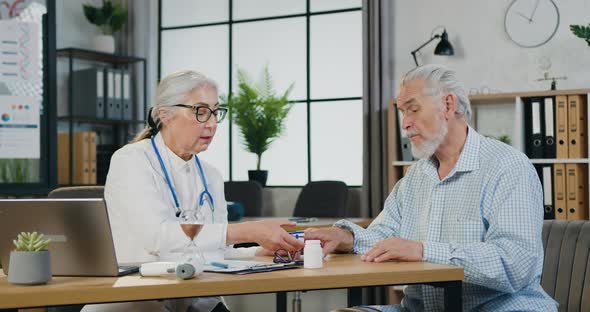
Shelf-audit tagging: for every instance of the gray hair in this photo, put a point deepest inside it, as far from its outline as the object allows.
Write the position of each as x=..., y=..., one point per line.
x=172, y=90
x=438, y=80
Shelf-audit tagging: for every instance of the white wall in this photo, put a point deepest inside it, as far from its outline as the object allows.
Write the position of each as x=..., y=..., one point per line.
x=73, y=30
x=484, y=54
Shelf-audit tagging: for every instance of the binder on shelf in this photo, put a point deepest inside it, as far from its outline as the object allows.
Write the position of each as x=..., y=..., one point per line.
x=110, y=94
x=405, y=143
x=113, y=110
x=88, y=98
x=578, y=145
x=561, y=137
x=92, y=156
x=534, y=134
x=126, y=96
x=559, y=191
x=549, y=123
x=547, y=180
x=576, y=192
x=80, y=158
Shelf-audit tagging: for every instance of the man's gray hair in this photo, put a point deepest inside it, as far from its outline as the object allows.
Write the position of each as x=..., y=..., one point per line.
x=438, y=80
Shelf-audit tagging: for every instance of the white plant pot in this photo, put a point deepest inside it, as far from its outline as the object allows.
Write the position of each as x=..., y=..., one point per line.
x=104, y=43
x=29, y=268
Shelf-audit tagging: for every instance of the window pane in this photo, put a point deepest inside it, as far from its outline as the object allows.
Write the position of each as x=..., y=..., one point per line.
x=285, y=160
x=336, y=55
x=327, y=5
x=218, y=153
x=245, y=9
x=204, y=49
x=190, y=12
x=257, y=44
x=337, y=141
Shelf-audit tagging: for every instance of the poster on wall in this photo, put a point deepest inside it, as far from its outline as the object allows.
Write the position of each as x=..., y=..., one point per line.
x=19, y=127
x=20, y=94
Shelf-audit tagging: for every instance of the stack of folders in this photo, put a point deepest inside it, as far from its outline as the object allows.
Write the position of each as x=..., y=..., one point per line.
x=565, y=185
x=102, y=93
x=83, y=158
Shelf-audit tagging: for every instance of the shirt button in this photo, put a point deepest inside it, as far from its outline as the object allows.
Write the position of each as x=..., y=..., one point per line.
x=188, y=170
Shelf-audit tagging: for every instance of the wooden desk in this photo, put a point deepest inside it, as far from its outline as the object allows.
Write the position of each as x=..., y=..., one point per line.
x=320, y=222
x=340, y=271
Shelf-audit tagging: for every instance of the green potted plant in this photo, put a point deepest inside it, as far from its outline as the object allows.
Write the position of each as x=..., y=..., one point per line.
x=109, y=18
x=30, y=263
x=582, y=32
x=260, y=115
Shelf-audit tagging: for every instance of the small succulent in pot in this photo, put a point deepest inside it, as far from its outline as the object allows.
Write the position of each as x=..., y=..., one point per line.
x=30, y=263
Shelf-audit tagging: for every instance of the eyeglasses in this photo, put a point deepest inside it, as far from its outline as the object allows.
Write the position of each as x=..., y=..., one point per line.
x=203, y=113
x=287, y=256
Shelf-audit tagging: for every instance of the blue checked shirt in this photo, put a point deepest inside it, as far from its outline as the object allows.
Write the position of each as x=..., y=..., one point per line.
x=485, y=216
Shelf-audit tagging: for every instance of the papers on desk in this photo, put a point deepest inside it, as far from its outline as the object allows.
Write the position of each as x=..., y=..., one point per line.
x=247, y=267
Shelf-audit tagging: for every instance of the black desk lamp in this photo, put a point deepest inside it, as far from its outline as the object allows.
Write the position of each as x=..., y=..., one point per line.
x=444, y=47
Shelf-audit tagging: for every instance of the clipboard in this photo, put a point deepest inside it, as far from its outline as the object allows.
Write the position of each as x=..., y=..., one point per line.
x=249, y=267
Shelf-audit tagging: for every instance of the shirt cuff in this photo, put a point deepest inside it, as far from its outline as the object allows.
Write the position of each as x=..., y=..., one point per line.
x=436, y=252
x=233, y=253
x=207, y=237
x=355, y=229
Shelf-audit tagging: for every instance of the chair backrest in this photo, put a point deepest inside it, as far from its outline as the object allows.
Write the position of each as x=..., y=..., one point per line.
x=77, y=192
x=248, y=193
x=566, y=271
x=322, y=199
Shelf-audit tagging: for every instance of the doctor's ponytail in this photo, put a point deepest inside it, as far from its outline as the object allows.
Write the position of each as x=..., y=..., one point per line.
x=173, y=89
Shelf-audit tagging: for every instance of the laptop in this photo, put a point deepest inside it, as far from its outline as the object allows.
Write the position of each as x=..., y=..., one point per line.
x=82, y=242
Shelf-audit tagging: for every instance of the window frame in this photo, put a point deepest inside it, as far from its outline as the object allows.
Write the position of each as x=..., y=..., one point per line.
x=308, y=100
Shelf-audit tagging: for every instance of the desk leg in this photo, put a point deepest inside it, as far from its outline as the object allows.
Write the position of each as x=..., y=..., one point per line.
x=453, y=296
x=355, y=296
x=281, y=301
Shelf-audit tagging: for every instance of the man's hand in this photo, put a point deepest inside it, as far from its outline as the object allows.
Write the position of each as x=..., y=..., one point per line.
x=267, y=233
x=333, y=239
x=394, y=249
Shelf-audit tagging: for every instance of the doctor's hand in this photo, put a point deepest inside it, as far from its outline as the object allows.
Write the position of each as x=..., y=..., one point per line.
x=267, y=233
x=394, y=248
x=333, y=239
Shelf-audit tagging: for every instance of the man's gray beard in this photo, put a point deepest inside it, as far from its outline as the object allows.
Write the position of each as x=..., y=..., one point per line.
x=427, y=149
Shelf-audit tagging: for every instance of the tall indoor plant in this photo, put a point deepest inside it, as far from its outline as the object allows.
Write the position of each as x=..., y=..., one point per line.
x=260, y=115
x=109, y=18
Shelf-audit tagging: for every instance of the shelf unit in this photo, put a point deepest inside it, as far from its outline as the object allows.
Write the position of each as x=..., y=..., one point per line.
x=109, y=61
x=481, y=101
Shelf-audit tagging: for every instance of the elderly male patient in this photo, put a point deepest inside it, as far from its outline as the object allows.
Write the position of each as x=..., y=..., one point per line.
x=470, y=201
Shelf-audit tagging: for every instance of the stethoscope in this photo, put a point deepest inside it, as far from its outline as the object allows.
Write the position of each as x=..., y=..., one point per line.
x=205, y=194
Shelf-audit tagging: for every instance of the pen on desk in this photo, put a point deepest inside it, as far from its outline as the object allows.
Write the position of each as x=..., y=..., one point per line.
x=219, y=265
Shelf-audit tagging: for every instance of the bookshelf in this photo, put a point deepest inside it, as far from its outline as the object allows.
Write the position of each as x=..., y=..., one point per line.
x=483, y=107
x=114, y=131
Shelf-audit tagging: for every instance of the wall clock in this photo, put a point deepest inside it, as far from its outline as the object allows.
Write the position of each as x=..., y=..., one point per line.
x=531, y=23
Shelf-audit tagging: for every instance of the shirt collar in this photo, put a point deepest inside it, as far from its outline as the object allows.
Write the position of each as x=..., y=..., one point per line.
x=176, y=163
x=468, y=160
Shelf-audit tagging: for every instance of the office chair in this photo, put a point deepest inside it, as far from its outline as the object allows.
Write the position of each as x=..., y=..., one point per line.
x=322, y=199
x=77, y=192
x=248, y=193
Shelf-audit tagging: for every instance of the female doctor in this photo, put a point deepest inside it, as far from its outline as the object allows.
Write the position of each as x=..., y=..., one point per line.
x=153, y=178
